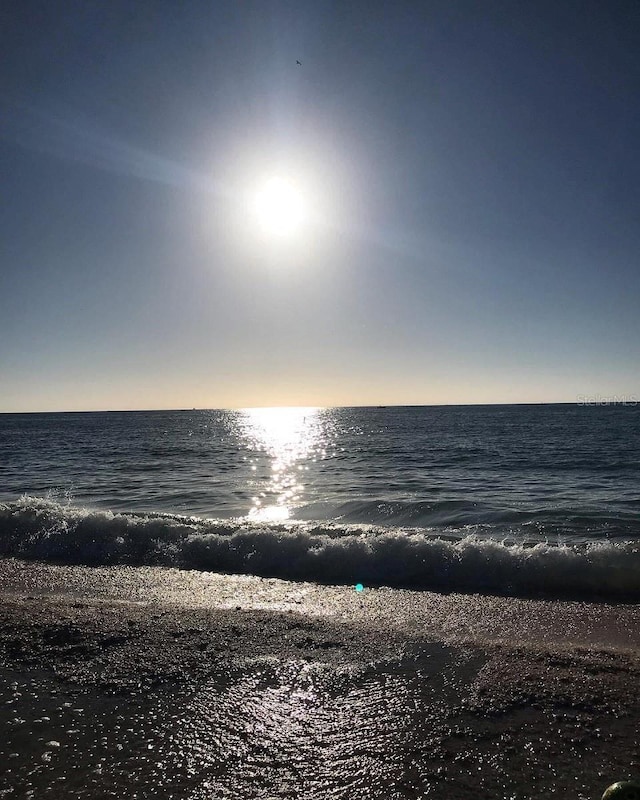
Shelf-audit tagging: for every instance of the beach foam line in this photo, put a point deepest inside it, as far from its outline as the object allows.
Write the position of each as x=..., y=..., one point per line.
x=43, y=529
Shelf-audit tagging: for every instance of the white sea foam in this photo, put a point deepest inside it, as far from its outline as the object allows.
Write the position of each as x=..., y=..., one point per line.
x=331, y=553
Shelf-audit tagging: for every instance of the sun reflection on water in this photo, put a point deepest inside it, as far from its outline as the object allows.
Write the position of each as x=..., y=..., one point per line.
x=300, y=729
x=288, y=437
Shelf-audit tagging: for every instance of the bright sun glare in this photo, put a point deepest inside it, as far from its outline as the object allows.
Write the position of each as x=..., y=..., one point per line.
x=280, y=207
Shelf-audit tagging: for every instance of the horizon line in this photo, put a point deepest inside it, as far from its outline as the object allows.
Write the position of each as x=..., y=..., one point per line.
x=591, y=401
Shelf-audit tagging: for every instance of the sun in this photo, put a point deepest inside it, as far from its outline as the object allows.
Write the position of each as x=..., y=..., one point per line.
x=280, y=207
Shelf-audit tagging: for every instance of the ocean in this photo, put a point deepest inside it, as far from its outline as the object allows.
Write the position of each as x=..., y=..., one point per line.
x=519, y=500
x=180, y=614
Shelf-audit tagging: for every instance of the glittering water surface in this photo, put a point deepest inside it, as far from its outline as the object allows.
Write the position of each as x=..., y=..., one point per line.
x=430, y=498
x=288, y=437
x=291, y=729
x=264, y=730
x=552, y=470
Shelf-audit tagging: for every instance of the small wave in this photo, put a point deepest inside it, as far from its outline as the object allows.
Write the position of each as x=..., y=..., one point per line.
x=622, y=522
x=413, y=558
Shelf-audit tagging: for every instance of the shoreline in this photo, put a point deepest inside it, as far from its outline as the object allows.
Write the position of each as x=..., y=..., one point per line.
x=457, y=618
x=251, y=687
x=471, y=558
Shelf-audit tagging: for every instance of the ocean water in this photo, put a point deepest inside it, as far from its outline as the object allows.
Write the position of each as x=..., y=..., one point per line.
x=540, y=499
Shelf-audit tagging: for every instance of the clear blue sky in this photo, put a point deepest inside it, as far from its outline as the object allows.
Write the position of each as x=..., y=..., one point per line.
x=472, y=170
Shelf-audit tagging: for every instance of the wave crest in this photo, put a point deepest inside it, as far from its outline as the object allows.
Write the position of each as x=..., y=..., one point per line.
x=46, y=530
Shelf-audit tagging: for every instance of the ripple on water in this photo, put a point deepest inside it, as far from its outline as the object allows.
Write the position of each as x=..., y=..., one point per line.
x=266, y=729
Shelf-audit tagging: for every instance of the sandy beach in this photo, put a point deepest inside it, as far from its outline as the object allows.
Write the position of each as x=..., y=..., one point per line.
x=148, y=682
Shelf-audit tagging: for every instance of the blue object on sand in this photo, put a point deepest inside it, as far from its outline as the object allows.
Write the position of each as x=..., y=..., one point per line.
x=359, y=587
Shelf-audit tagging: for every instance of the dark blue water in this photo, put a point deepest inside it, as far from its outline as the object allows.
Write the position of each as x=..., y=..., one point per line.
x=296, y=483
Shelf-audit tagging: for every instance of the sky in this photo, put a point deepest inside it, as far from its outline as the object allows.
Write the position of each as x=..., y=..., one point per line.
x=468, y=174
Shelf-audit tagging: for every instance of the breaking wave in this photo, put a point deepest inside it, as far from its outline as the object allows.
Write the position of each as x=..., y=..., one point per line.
x=417, y=558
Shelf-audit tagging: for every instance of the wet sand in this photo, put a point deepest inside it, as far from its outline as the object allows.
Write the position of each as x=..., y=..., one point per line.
x=159, y=683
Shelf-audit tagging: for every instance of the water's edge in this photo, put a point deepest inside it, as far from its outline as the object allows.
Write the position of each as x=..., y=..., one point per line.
x=36, y=528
